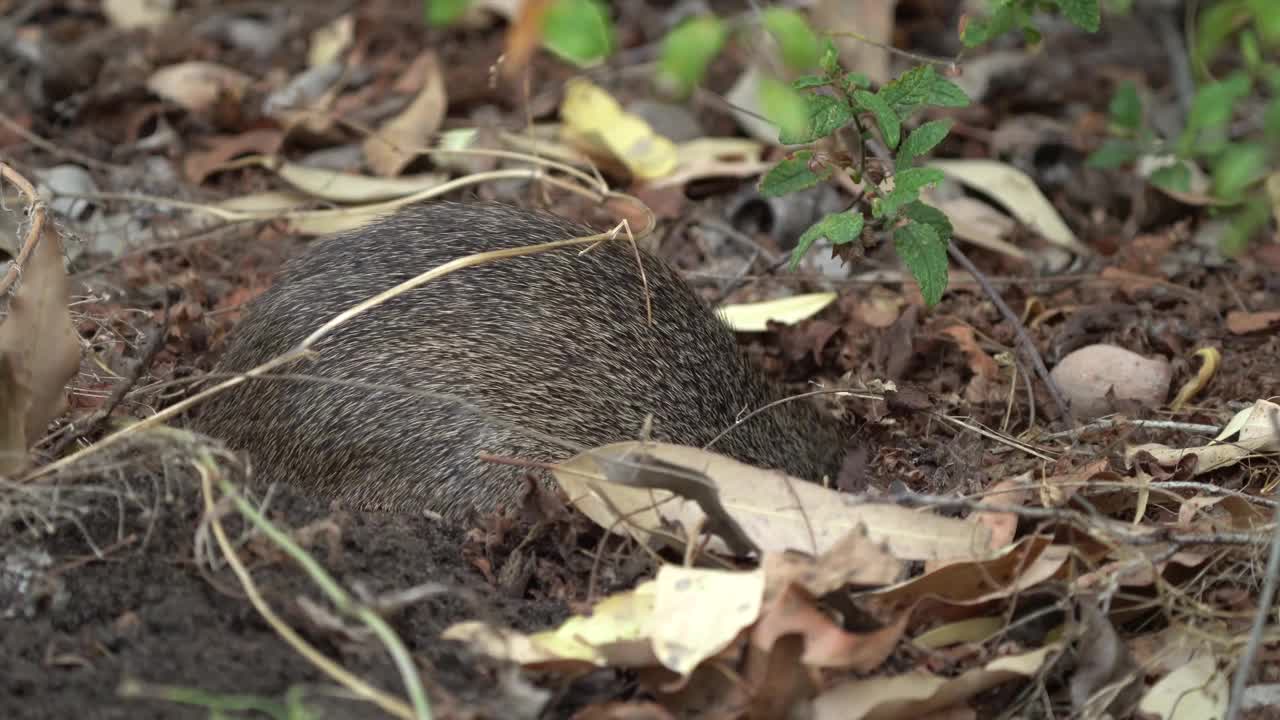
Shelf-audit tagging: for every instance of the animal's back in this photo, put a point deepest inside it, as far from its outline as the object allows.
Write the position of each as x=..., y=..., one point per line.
x=556, y=342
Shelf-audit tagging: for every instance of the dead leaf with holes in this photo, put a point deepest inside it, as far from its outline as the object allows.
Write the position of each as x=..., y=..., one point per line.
x=401, y=138
x=41, y=347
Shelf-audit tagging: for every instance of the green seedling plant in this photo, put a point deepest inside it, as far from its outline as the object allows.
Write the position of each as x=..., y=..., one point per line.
x=1232, y=128
x=828, y=116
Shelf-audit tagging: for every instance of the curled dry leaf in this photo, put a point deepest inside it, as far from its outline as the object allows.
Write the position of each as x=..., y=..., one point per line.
x=914, y=694
x=775, y=511
x=221, y=149
x=40, y=344
x=401, y=138
x=1253, y=430
x=1018, y=194
x=1197, y=689
x=826, y=644
x=196, y=85
x=596, y=123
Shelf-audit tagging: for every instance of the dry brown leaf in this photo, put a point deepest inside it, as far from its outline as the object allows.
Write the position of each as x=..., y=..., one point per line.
x=854, y=560
x=1013, y=491
x=401, y=138
x=1252, y=429
x=1240, y=322
x=777, y=512
x=1024, y=564
x=197, y=85
x=38, y=336
x=911, y=695
x=200, y=164
x=826, y=644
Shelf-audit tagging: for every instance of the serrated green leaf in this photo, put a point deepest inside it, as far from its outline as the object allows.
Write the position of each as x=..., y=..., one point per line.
x=837, y=228
x=792, y=175
x=1237, y=168
x=856, y=81
x=1175, y=177
x=925, y=255
x=1125, y=109
x=687, y=51
x=980, y=30
x=786, y=108
x=797, y=41
x=1114, y=153
x=906, y=189
x=931, y=216
x=1084, y=14
x=918, y=87
x=824, y=115
x=445, y=12
x=886, y=118
x=809, y=81
x=578, y=31
x=922, y=140
x=830, y=61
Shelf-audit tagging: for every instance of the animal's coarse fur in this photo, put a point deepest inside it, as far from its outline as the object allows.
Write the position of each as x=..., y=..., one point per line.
x=556, y=342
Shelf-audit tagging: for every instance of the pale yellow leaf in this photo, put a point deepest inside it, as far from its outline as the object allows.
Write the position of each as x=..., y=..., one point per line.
x=129, y=14
x=591, y=115
x=754, y=317
x=1196, y=690
x=328, y=42
x=698, y=613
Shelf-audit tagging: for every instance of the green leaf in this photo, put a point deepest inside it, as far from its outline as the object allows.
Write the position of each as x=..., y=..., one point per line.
x=978, y=31
x=444, y=12
x=856, y=81
x=1126, y=108
x=687, y=51
x=890, y=125
x=925, y=255
x=824, y=115
x=787, y=108
x=810, y=81
x=830, y=61
x=1243, y=226
x=1267, y=21
x=1238, y=167
x=931, y=216
x=906, y=189
x=1214, y=103
x=921, y=86
x=922, y=140
x=797, y=41
x=1114, y=153
x=1215, y=24
x=1271, y=122
x=792, y=175
x=578, y=31
x=837, y=228
x=1085, y=14
x=1175, y=177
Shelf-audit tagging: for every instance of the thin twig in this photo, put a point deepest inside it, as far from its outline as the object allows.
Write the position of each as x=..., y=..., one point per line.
x=1024, y=341
x=1109, y=423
